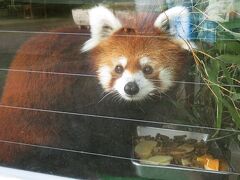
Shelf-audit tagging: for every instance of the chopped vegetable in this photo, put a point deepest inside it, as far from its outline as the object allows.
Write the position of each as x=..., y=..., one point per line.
x=203, y=159
x=144, y=148
x=212, y=164
x=162, y=150
x=158, y=160
x=186, y=162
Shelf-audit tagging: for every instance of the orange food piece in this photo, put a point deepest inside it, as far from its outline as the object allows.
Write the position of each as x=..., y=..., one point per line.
x=203, y=159
x=208, y=162
x=212, y=164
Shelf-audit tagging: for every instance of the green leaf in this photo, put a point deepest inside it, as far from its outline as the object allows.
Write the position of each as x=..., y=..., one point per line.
x=228, y=77
x=232, y=24
x=219, y=111
x=228, y=47
x=233, y=111
x=213, y=72
x=228, y=58
x=236, y=97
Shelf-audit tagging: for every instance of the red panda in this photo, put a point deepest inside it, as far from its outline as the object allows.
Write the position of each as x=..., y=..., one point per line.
x=46, y=103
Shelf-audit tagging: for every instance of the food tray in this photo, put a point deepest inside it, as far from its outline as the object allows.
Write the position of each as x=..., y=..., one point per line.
x=174, y=171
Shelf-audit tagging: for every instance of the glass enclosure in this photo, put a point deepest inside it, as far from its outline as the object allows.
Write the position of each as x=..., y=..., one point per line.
x=142, y=99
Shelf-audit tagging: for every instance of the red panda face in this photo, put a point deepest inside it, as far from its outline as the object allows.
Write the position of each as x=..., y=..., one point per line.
x=131, y=63
x=136, y=66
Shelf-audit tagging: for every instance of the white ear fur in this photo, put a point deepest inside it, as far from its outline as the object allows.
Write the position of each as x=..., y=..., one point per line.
x=103, y=23
x=179, y=20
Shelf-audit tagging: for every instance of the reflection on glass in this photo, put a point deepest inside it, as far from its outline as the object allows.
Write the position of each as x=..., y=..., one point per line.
x=121, y=103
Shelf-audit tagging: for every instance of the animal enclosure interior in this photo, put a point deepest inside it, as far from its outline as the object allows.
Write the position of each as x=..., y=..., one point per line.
x=137, y=89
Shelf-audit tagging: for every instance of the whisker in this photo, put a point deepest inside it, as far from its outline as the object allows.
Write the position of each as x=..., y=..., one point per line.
x=160, y=92
x=105, y=96
x=115, y=97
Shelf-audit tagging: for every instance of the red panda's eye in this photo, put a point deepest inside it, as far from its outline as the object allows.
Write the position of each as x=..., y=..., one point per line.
x=147, y=70
x=119, y=69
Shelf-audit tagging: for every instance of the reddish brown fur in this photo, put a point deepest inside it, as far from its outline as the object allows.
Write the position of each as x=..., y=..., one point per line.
x=47, y=52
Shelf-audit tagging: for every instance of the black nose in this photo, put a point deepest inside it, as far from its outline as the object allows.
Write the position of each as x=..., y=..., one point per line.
x=131, y=88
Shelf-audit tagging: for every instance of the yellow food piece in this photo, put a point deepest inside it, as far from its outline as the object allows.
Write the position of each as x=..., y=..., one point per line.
x=144, y=149
x=212, y=164
x=158, y=160
x=186, y=161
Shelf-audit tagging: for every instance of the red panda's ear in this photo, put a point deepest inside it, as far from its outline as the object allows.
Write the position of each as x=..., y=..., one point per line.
x=103, y=23
x=178, y=19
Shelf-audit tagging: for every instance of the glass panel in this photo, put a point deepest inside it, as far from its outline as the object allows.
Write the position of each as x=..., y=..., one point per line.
x=83, y=114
